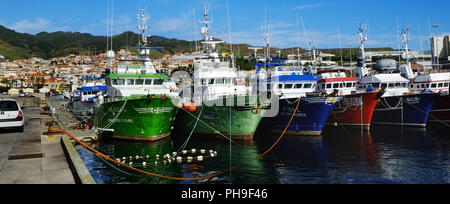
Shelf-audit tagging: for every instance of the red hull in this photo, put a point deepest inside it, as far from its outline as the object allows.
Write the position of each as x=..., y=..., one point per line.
x=441, y=110
x=348, y=111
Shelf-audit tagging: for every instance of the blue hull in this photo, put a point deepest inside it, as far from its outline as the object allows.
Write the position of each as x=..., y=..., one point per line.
x=310, y=118
x=410, y=110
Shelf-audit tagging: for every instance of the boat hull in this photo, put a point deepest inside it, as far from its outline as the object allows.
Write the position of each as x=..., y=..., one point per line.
x=137, y=119
x=214, y=121
x=309, y=119
x=441, y=110
x=355, y=110
x=409, y=110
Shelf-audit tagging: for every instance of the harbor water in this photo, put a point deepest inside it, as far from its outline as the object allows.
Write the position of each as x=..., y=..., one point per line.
x=341, y=155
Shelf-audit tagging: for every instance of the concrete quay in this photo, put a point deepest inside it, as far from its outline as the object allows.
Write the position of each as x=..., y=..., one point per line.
x=25, y=159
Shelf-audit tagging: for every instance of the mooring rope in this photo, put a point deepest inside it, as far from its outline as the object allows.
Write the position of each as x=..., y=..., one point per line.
x=108, y=158
x=192, y=131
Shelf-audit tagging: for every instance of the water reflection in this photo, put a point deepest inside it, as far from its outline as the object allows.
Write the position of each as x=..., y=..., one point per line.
x=341, y=155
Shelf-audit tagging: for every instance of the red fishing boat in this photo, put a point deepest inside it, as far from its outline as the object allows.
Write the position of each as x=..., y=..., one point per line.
x=358, y=105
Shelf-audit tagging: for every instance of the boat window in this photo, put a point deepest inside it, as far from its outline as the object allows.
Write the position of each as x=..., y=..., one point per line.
x=108, y=82
x=445, y=85
x=328, y=86
x=383, y=85
x=220, y=81
x=376, y=85
x=427, y=85
x=204, y=81
x=335, y=86
x=148, y=81
x=418, y=86
x=280, y=86
x=158, y=81
x=211, y=81
x=139, y=82
x=130, y=82
x=323, y=86
x=433, y=85
x=423, y=86
x=440, y=85
x=307, y=86
x=119, y=82
x=404, y=85
x=391, y=85
x=349, y=85
x=228, y=81
x=314, y=86
x=397, y=85
x=288, y=86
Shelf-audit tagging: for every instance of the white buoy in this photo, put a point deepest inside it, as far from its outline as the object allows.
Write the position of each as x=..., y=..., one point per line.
x=131, y=163
x=131, y=157
x=174, y=154
x=137, y=157
x=179, y=159
x=200, y=158
x=144, y=164
x=184, y=151
x=215, y=153
x=202, y=151
x=193, y=151
x=212, y=154
x=189, y=159
x=210, y=151
x=148, y=156
x=156, y=163
x=124, y=158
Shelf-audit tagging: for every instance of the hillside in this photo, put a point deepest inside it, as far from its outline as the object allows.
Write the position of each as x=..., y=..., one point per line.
x=14, y=45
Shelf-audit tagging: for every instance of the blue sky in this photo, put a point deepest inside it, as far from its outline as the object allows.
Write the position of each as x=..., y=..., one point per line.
x=175, y=19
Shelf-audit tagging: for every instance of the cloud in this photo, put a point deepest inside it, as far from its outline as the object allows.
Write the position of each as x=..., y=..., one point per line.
x=38, y=25
x=308, y=6
x=182, y=23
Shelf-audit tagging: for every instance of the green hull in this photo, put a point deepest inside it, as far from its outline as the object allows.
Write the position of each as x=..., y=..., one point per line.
x=140, y=119
x=215, y=120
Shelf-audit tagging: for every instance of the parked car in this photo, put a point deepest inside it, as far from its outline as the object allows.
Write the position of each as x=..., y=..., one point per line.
x=11, y=115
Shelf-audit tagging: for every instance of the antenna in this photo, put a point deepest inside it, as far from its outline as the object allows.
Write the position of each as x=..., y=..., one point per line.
x=229, y=35
x=340, y=45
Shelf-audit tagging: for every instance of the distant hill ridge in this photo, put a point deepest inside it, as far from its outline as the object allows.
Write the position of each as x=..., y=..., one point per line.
x=14, y=45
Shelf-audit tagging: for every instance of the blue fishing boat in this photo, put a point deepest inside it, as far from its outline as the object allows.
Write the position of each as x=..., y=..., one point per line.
x=314, y=109
x=84, y=98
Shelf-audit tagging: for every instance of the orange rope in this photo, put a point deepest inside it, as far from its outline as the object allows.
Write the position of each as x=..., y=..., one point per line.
x=107, y=158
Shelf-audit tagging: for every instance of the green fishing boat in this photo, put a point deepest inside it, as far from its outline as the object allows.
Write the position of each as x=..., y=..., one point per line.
x=220, y=106
x=138, y=103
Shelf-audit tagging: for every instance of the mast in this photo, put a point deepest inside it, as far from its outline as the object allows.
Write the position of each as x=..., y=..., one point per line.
x=210, y=44
x=362, y=70
x=407, y=71
x=144, y=48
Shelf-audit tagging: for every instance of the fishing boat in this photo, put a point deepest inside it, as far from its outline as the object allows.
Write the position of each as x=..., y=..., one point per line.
x=436, y=83
x=138, y=103
x=357, y=107
x=399, y=105
x=219, y=106
x=83, y=99
x=314, y=108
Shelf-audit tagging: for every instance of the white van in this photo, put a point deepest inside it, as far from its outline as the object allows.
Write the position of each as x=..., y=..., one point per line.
x=11, y=114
